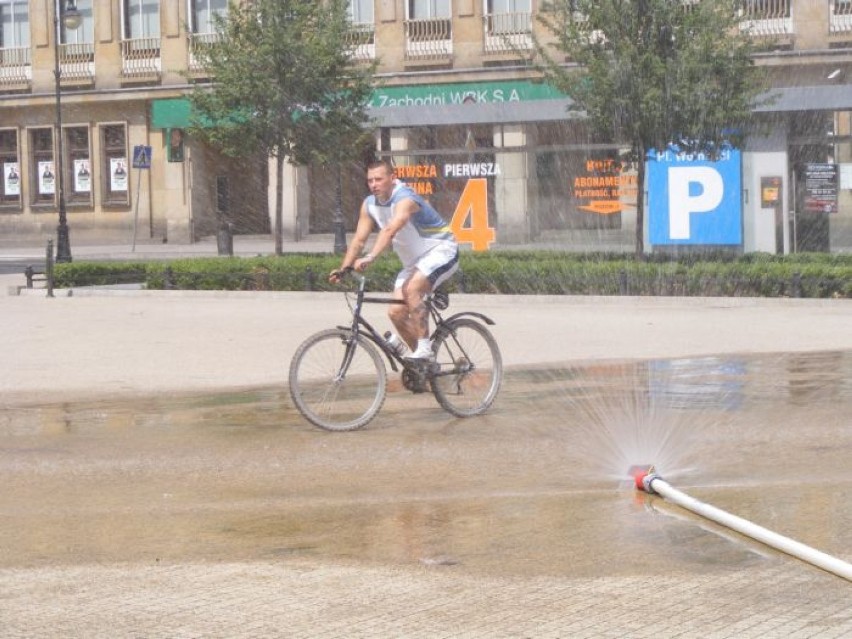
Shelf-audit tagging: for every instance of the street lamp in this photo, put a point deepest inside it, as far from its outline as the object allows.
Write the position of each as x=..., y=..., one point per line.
x=69, y=17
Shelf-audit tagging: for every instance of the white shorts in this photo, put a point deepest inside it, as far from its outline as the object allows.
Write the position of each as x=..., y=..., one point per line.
x=438, y=265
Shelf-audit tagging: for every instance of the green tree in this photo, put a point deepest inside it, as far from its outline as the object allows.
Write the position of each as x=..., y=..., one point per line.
x=285, y=84
x=652, y=72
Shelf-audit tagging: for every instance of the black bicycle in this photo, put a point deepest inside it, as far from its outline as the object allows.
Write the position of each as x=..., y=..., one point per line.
x=338, y=379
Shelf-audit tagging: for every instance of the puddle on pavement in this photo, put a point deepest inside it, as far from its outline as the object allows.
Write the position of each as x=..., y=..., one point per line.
x=534, y=487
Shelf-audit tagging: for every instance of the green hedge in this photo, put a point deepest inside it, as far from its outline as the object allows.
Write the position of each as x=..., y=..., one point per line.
x=515, y=272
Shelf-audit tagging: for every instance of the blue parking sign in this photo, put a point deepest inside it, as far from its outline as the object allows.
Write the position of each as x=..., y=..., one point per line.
x=695, y=200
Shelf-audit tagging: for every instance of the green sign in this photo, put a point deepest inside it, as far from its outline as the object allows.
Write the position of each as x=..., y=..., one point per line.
x=463, y=93
x=175, y=113
x=170, y=113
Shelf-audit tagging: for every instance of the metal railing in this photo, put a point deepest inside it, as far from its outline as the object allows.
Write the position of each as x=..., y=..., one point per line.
x=16, y=66
x=766, y=17
x=77, y=61
x=140, y=58
x=198, y=42
x=428, y=39
x=840, y=16
x=507, y=32
x=361, y=41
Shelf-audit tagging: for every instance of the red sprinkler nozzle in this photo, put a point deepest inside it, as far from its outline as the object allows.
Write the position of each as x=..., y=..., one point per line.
x=639, y=475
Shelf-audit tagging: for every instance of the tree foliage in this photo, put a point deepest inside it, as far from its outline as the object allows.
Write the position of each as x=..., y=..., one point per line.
x=284, y=81
x=652, y=72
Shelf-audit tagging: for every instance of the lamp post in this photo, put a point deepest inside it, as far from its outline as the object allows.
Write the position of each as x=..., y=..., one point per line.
x=71, y=18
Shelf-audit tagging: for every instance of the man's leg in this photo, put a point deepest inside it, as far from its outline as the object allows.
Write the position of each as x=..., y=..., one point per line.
x=411, y=319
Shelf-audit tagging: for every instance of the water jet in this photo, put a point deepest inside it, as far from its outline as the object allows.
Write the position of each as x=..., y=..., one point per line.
x=648, y=481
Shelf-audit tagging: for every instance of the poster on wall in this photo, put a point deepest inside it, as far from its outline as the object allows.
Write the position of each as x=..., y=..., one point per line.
x=820, y=188
x=46, y=178
x=118, y=174
x=11, y=178
x=82, y=176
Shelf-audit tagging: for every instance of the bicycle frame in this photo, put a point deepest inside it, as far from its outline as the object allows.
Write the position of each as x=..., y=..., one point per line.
x=359, y=323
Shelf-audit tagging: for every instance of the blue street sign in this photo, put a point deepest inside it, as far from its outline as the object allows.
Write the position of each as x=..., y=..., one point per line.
x=141, y=157
x=694, y=200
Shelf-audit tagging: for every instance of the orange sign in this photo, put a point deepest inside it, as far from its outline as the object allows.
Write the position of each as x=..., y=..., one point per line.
x=603, y=187
x=470, y=219
x=603, y=207
x=420, y=177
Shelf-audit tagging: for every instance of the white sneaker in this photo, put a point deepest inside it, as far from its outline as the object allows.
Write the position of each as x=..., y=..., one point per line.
x=423, y=352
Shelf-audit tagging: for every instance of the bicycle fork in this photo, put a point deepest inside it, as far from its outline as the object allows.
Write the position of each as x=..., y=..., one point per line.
x=348, y=354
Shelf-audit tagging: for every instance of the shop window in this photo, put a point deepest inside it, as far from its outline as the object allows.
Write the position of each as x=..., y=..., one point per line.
x=42, y=175
x=79, y=163
x=114, y=165
x=10, y=186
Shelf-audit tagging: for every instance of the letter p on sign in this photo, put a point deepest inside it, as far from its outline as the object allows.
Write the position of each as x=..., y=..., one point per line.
x=685, y=198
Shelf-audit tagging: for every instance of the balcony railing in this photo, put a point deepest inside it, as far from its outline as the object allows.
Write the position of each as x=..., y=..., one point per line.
x=140, y=59
x=428, y=39
x=361, y=41
x=77, y=61
x=766, y=18
x=840, y=18
x=198, y=42
x=16, y=68
x=507, y=33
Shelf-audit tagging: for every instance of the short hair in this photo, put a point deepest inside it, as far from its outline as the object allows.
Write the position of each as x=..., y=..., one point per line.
x=381, y=162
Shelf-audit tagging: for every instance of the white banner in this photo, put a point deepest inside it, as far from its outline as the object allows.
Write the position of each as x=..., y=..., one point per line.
x=46, y=178
x=82, y=176
x=12, y=178
x=118, y=174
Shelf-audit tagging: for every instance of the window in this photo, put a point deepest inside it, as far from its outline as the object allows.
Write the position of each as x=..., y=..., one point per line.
x=10, y=185
x=114, y=164
x=508, y=17
x=85, y=33
x=361, y=11
x=508, y=6
x=202, y=12
x=141, y=19
x=14, y=24
x=425, y=9
x=41, y=169
x=428, y=30
x=78, y=160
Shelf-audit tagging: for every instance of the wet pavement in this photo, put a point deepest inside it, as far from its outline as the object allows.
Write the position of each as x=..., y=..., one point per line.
x=227, y=514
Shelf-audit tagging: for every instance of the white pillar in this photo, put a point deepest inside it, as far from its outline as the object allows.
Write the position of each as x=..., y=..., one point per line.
x=510, y=186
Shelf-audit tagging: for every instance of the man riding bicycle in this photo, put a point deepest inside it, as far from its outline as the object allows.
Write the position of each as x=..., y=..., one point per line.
x=419, y=236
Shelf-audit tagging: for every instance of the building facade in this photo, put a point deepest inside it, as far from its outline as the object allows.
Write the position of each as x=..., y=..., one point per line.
x=458, y=106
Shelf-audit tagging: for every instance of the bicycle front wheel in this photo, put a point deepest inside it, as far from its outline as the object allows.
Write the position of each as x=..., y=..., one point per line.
x=336, y=382
x=469, y=368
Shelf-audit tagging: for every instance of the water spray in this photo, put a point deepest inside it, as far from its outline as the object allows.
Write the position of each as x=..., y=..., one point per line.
x=648, y=481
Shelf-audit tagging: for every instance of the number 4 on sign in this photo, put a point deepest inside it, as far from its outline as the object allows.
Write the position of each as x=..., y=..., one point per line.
x=470, y=219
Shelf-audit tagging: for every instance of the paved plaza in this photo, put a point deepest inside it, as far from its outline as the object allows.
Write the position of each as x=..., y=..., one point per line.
x=157, y=481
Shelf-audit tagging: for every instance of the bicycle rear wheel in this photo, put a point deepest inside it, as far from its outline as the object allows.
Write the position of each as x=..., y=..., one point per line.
x=330, y=393
x=469, y=368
